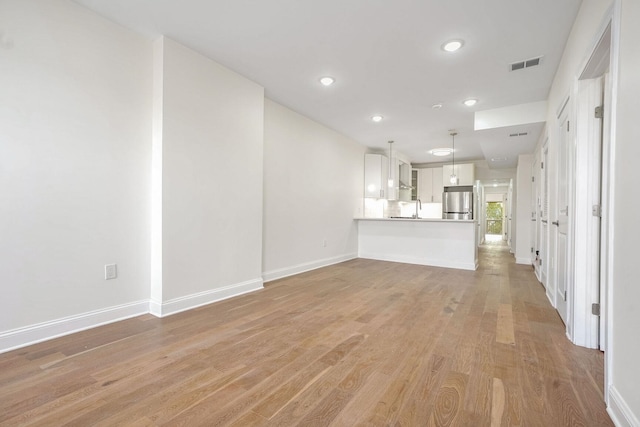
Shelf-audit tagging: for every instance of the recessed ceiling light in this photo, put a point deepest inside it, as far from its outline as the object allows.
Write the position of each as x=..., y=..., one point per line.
x=327, y=81
x=377, y=118
x=441, y=151
x=470, y=102
x=498, y=159
x=436, y=106
x=452, y=45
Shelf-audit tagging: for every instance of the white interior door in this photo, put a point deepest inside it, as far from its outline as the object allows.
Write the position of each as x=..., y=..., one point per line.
x=561, y=221
x=535, y=201
x=586, y=218
x=543, y=257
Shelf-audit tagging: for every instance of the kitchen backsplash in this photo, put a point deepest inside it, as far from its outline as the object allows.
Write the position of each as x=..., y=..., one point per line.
x=380, y=208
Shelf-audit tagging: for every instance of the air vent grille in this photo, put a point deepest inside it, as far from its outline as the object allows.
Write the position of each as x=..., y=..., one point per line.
x=527, y=63
x=518, y=134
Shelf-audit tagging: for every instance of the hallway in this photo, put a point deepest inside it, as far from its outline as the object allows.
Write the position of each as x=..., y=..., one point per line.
x=358, y=343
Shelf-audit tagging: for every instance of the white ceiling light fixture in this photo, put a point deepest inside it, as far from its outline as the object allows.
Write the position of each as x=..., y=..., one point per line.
x=437, y=106
x=391, y=179
x=470, y=102
x=377, y=118
x=453, y=179
x=452, y=45
x=327, y=80
x=440, y=152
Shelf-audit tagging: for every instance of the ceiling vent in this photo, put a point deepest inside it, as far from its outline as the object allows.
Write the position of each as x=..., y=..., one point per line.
x=527, y=63
x=518, y=134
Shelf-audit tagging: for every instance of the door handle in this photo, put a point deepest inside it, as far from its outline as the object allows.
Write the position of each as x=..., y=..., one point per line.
x=556, y=223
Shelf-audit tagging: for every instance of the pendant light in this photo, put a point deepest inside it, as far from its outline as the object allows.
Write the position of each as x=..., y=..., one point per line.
x=453, y=179
x=390, y=181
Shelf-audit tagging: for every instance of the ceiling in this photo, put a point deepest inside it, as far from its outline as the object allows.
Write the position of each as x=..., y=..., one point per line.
x=386, y=57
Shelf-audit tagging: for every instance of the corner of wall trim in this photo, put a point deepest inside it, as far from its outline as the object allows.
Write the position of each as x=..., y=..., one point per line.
x=188, y=302
x=280, y=273
x=33, y=334
x=619, y=410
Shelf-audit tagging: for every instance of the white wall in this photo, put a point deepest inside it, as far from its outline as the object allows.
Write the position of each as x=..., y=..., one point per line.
x=625, y=374
x=485, y=173
x=210, y=180
x=313, y=188
x=623, y=370
x=522, y=210
x=75, y=127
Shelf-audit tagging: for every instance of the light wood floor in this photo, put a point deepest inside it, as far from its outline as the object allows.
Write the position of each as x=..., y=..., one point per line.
x=359, y=343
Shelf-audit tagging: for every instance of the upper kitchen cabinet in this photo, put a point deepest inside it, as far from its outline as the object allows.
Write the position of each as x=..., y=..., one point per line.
x=430, y=186
x=376, y=176
x=464, y=171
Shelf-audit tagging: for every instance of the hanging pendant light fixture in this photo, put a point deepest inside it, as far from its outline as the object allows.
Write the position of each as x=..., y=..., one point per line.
x=453, y=179
x=390, y=180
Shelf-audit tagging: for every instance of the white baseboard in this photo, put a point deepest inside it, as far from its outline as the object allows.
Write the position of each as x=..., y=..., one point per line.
x=550, y=298
x=188, y=302
x=619, y=411
x=523, y=260
x=22, y=337
x=268, y=276
x=422, y=261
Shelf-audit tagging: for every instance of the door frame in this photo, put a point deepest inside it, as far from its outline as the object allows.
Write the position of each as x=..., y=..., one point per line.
x=610, y=22
x=603, y=54
x=564, y=301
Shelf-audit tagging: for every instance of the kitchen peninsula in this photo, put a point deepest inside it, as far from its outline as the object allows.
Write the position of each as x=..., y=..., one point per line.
x=434, y=242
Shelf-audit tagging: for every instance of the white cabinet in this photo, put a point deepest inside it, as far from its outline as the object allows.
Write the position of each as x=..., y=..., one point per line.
x=436, y=185
x=376, y=173
x=430, y=185
x=464, y=171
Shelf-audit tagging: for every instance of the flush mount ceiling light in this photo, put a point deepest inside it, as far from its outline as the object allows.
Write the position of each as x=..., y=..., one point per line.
x=377, y=118
x=452, y=45
x=437, y=106
x=470, y=102
x=498, y=159
x=327, y=81
x=441, y=151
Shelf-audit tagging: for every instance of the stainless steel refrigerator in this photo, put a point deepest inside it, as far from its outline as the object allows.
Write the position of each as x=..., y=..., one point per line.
x=457, y=202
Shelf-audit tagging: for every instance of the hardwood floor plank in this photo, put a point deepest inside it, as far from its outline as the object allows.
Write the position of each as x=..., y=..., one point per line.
x=504, y=330
x=362, y=342
x=448, y=408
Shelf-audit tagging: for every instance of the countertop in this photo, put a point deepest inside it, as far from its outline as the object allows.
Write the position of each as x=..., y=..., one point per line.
x=415, y=219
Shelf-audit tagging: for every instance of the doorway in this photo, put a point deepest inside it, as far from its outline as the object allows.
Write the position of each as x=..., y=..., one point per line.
x=494, y=219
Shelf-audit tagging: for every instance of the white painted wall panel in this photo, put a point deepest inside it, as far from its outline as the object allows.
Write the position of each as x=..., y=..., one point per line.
x=626, y=233
x=75, y=129
x=313, y=188
x=212, y=154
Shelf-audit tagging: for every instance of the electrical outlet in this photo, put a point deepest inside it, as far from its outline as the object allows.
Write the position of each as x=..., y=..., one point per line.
x=110, y=271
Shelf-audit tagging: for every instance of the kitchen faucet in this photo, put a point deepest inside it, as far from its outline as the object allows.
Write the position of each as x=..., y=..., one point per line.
x=418, y=203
